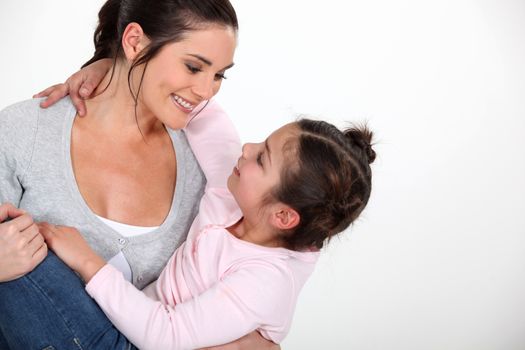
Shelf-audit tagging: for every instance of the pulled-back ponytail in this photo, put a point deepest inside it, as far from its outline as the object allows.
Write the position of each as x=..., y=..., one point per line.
x=328, y=183
x=106, y=37
x=361, y=137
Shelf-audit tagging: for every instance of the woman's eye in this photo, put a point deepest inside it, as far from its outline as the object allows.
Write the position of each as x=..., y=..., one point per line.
x=259, y=158
x=220, y=76
x=193, y=69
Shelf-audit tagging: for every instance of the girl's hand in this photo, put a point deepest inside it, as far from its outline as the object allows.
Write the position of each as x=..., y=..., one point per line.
x=79, y=86
x=68, y=245
x=22, y=247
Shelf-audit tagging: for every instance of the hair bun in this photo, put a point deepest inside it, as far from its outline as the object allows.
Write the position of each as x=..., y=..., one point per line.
x=361, y=136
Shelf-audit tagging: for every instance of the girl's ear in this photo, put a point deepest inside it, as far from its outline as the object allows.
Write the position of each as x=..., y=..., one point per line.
x=133, y=40
x=285, y=218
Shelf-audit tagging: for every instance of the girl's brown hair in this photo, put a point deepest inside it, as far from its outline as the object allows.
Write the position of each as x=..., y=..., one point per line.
x=328, y=184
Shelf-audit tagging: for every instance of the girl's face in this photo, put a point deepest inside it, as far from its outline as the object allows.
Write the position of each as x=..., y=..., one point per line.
x=259, y=168
x=186, y=73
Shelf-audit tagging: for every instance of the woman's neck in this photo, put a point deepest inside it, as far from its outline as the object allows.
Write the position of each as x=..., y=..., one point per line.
x=113, y=107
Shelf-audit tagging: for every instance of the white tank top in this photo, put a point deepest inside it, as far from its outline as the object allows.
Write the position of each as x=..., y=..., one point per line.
x=119, y=261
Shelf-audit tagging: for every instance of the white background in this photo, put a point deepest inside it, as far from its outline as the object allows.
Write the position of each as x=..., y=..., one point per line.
x=437, y=259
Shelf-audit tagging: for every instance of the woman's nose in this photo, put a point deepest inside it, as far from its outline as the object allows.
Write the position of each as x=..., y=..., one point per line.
x=205, y=88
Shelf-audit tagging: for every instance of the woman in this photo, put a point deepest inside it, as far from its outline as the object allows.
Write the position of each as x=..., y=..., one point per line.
x=121, y=164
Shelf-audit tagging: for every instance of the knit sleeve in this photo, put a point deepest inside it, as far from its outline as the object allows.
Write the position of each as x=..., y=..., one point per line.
x=18, y=127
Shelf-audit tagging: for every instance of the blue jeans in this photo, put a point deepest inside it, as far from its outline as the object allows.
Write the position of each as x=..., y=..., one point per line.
x=49, y=309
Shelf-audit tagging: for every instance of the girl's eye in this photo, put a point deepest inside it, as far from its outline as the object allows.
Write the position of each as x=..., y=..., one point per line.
x=259, y=158
x=193, y=69
x=220, y=76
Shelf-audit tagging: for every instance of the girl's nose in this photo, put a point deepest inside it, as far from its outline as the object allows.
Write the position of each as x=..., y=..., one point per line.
x=246, y=149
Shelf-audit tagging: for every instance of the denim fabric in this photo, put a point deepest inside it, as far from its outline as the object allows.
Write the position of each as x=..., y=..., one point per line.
x=49, y=309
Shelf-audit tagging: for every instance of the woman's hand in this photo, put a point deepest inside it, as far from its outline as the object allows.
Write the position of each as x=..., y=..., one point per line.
x=79, y=86
x=251, y=341
x=22, y=247
x=72, y=248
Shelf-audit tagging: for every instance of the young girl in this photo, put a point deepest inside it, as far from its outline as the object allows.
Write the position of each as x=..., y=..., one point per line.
x=252, y=246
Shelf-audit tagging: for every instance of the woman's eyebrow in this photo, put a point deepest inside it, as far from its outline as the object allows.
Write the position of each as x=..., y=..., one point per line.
x=208, y=62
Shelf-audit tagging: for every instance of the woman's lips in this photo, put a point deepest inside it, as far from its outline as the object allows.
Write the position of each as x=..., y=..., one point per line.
x=182, y=104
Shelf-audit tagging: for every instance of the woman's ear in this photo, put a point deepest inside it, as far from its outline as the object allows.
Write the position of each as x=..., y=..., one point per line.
x=133, y=40
x=285, y=218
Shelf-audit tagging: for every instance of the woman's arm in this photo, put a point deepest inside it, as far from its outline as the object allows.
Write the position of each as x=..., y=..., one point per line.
x=22, y=248
x=79, y=86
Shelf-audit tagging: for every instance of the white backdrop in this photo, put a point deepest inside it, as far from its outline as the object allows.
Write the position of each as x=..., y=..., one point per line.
x=437, y=259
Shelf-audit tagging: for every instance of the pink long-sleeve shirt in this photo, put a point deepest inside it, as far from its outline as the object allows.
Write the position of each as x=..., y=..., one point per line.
x=216, y=288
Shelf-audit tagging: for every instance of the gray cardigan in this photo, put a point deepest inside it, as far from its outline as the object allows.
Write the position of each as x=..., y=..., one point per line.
x=36, y=175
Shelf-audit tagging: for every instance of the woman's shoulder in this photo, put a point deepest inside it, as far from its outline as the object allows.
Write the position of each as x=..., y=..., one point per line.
x=23, y=109
x=18, y=125
x=26, y=113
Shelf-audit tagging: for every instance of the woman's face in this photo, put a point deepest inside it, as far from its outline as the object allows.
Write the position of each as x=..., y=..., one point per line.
x=185, y=73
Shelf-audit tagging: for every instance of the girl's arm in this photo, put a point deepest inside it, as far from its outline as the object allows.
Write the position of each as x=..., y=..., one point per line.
x=216, y=146
x=79, y=86
x=72, y=249
x=236, y=305
x=215, y=143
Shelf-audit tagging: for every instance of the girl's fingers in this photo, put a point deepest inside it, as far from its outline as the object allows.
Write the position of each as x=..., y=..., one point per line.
x=79, y=104
x=46, y=230
x=46, y=92
x=58, y=92
x=76, y=82
x=87, y=88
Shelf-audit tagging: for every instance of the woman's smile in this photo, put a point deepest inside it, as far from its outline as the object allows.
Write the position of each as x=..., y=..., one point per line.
x=183, y=104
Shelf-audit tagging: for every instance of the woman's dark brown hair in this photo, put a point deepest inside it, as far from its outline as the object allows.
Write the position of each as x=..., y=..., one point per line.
x=162, y=21
x=328, y=183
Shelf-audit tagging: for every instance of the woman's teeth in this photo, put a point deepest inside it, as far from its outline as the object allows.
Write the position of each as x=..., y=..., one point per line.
x=183, y=102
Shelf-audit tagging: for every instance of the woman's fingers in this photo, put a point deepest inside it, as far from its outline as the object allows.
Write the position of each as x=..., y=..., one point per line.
x=20, y=223
x=39, y=255
x=35, y=244
x=30, y=233
x=21, y=247
x=7, y=210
